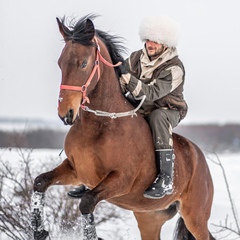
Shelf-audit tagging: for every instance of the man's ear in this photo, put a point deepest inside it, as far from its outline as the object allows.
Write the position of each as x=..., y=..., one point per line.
x=61, y=28
x=89, y=30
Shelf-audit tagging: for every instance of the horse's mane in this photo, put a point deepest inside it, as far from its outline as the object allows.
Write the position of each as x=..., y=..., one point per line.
x=75, y=31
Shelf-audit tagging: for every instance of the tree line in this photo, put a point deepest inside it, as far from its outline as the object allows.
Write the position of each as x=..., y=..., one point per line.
x=39, y=138
x=211, y=137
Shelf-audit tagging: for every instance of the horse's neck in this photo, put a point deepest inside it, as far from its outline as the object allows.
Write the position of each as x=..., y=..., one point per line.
x=107, y=95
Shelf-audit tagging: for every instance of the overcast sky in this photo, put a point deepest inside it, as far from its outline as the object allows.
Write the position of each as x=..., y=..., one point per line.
x=30, y=45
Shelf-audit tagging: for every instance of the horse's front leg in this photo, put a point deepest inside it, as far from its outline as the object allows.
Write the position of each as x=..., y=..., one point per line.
x=113, y=185
x=64, y=174
x=37, y=204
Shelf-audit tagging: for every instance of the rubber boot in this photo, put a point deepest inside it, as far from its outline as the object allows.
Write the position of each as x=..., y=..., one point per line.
x=78, y=192
x=163, y=184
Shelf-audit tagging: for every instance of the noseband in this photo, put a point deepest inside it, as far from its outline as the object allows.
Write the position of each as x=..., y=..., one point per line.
x=96, y=68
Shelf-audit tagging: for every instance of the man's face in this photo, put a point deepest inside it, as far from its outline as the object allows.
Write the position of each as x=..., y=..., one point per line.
x=154, y=49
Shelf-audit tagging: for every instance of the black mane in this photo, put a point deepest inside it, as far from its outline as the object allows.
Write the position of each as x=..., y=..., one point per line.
x=75, y=31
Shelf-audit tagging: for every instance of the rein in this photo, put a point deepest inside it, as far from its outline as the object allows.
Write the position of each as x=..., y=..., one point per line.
x=96, y=68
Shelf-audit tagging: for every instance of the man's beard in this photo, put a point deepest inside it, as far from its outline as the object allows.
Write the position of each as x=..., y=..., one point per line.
x=157, y=53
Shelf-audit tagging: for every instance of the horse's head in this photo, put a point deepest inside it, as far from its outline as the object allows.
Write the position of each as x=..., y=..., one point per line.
x=78, y=64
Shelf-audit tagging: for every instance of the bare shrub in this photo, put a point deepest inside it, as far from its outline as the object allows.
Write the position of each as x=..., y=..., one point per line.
x=61, y=213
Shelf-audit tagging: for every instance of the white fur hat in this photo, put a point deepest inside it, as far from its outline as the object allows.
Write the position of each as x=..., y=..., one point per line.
x=160, y=29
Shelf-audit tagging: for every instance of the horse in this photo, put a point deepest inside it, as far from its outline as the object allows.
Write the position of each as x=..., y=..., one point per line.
x=109, y=146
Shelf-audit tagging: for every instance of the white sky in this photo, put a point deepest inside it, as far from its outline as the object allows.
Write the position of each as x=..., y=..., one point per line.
x=30, y=45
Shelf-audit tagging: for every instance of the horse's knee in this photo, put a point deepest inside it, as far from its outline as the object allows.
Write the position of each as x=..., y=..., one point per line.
x=42, y=182
x=88, y=203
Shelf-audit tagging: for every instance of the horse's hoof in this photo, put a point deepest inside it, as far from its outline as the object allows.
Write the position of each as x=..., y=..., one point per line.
x=42, y=235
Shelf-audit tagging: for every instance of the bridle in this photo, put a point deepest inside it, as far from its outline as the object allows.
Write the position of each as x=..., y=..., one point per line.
x=84, y=87
x=96, y=68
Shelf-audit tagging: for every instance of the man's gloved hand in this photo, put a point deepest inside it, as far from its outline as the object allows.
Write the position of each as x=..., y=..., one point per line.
x=124, y=75
x=123, y=68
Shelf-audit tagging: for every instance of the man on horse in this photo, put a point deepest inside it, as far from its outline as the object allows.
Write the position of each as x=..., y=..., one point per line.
x=156, y=72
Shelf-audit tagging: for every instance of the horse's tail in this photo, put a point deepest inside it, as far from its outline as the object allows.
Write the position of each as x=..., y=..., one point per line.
x=181, y=231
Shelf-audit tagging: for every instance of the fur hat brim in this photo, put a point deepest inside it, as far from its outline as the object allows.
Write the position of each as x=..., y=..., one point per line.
x=160, y=29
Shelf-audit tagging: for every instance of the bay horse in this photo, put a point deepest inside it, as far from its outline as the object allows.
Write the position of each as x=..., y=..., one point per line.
x=109, y=146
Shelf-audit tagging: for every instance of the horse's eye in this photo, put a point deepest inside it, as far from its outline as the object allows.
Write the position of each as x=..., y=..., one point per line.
x=84, y=64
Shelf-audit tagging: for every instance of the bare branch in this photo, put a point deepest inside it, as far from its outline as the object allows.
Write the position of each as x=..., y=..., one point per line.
x=234, y=212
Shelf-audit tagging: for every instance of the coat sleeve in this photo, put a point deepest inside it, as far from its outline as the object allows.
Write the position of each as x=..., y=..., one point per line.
x=168, y=80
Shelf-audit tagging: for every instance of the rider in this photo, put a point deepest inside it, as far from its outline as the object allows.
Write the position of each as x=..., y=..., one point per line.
x=156, y=72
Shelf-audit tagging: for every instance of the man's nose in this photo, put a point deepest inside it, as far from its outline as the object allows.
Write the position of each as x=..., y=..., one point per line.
x=149, y=43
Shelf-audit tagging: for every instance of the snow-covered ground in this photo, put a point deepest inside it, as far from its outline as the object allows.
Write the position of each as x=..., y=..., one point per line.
x=127, y=227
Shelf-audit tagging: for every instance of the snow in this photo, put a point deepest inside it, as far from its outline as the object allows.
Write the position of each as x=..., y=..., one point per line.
x=126, y=226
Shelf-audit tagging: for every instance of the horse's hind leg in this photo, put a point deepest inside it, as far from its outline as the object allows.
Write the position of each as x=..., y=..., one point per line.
x=63, y=174
x=150, y=223
x=182, y=232
x=195, y=211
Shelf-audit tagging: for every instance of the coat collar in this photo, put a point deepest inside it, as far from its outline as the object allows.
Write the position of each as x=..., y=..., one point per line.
x=168, y=54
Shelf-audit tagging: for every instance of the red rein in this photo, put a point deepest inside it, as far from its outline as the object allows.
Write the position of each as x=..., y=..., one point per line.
x=83, y=89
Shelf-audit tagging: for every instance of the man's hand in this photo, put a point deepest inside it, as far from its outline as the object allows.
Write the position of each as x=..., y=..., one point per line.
x=124, y=76
x=123, y=68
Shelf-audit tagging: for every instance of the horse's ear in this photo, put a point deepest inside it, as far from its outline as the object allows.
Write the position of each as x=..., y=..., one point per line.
x=60, y=26
x=89, y=29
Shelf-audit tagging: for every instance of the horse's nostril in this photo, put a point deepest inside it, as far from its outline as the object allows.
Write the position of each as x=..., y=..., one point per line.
x=68, y=119
x=70, y=113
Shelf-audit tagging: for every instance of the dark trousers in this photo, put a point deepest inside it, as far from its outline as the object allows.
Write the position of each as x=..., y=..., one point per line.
x=162, y=122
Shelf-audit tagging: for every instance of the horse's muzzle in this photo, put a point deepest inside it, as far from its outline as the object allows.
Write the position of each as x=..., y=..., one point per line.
x=68, y=118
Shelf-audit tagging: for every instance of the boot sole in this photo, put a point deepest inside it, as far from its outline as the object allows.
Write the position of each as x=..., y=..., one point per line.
x=157, y=197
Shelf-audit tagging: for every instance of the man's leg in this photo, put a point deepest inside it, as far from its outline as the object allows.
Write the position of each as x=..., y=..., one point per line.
x=161, y=123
